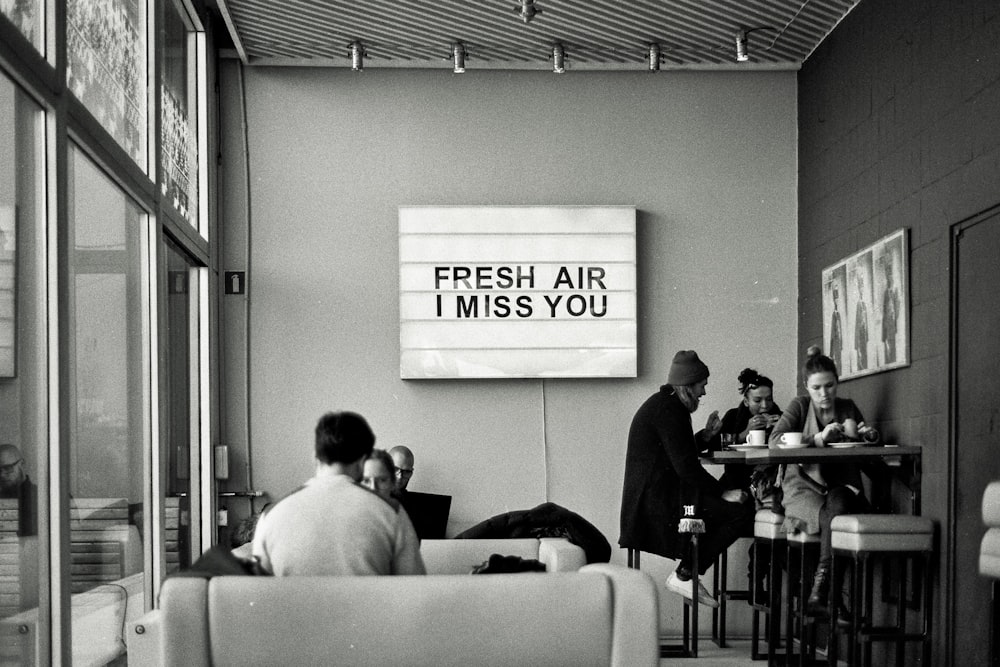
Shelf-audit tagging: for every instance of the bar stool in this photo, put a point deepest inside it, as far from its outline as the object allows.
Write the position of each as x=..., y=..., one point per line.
x=722, y=593
x=860, y=539
x=767, y=529
x=688, y=647
x=799, y=545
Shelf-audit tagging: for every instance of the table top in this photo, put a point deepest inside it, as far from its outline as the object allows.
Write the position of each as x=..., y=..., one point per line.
x=765, y=455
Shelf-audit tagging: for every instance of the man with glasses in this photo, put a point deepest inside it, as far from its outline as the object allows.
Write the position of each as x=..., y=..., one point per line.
x=15, y=483
x=402, y=459
x=428, y=511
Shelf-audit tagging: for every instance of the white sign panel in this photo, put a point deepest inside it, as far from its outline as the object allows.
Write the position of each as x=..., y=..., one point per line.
x=517, y=291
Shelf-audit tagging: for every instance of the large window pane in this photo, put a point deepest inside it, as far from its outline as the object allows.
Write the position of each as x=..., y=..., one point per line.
x=23, y=416
x=108, y=394
x=179, y=126
x=179, y=406
x=27, y=16
x=106, y=66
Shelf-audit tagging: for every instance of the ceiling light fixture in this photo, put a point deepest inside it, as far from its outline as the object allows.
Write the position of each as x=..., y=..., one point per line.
x=527, y=10
x=458, y=57
x=558, y=58
x=654, y=57
x=742, y=40
x=357, y=56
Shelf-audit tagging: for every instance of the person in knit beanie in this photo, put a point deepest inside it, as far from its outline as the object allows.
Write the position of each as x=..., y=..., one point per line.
x=667, y=493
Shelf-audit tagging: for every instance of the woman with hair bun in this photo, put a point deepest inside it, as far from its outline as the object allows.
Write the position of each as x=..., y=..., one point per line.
x=815, y=493
x=757, y=411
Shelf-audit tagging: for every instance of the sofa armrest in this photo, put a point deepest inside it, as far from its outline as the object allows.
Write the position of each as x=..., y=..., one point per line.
x=143, y=638
x=560, y=555
x=636, y=626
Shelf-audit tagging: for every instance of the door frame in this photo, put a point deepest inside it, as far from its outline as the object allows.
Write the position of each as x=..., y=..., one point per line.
x=950, y=536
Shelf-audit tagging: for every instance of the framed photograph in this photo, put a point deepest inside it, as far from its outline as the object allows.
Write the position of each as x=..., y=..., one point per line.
x=866, y=321
x=8, y=291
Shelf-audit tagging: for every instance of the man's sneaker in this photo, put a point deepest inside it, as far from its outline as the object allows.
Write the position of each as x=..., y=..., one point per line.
x=686, y=588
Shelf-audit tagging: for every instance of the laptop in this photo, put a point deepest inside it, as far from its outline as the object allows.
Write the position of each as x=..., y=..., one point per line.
x=428, y=512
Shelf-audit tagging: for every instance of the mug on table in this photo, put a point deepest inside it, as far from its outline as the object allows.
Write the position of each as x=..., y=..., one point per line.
x=756, y=438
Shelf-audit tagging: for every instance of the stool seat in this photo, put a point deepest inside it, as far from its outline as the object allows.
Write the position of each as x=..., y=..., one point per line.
x=800, y=537
x=768, y=525
x=882, y=532
x=989, y=554
x=991, y=504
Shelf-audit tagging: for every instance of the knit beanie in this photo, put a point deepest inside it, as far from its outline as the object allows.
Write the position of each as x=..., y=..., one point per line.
x=686, y=369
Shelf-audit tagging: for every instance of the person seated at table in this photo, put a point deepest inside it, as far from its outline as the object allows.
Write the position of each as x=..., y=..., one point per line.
x=379, y=475
x=813, y=494
x=666, y=489
x=757, y=411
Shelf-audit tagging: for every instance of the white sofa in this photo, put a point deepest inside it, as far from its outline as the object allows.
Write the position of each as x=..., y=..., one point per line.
x=600, y=615
x=441, y=557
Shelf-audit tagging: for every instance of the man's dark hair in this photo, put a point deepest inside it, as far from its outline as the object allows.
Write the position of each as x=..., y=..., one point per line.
x=343, y=437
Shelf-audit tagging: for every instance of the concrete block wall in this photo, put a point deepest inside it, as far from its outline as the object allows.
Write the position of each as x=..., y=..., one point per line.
x=899, y=126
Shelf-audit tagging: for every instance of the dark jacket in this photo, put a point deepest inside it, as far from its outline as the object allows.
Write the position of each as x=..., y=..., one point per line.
x=662, y=475
x=545, y=520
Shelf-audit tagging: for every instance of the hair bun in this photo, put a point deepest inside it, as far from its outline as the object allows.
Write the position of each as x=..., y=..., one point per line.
x=813, y=351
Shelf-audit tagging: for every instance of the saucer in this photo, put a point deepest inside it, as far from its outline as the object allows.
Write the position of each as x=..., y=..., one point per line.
x=844, y=445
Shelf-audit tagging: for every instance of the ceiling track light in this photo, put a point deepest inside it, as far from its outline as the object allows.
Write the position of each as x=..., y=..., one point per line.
x=558, y=58
x=357, y=55
x=654, y=57
x=458, y=57
x=527, y=10
x=742, y=40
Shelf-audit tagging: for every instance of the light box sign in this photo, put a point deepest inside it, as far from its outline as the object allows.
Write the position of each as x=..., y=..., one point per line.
x=517, y=291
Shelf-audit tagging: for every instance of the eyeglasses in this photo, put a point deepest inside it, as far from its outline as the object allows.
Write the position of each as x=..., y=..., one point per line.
x=10, y=467
x=404, y=472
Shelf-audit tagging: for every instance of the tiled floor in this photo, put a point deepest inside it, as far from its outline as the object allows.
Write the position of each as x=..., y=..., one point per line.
x=737, y=652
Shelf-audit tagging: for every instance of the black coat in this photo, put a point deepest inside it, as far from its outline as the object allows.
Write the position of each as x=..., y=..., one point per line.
x=545, y=520
x=662, y=474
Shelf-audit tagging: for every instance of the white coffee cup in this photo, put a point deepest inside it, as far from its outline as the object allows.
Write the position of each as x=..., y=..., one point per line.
x=851, y=428
x=791, y=439
x=756, y=438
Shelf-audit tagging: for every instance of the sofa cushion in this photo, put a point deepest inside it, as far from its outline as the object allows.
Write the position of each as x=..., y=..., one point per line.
x=348, y=620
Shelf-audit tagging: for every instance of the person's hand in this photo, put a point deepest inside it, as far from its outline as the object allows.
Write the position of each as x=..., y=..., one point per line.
x=713, y=425
x=758, y=422
x=834, y=432
x=734, y=495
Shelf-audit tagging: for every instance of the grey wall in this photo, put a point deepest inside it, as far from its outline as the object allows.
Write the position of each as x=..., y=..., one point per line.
x=898, y=127
x=708, y=159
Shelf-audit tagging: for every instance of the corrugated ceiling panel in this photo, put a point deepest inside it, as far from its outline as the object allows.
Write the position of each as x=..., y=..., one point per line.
x=596, y=34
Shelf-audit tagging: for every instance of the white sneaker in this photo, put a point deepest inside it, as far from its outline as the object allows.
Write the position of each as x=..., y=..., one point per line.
x=686, y=589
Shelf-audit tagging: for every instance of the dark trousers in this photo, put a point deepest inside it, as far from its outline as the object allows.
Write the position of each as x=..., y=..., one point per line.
x=839, y=500
x=724, y=523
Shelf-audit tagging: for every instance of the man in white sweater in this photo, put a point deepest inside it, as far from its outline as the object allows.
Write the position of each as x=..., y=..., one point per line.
x=332, y=525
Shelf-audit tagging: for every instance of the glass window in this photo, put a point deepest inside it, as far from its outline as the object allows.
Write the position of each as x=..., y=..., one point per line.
x=180, y=406
x=106, y=67
x=179, y=128
x=109, y=394
x=23, y=369
x=27, y=15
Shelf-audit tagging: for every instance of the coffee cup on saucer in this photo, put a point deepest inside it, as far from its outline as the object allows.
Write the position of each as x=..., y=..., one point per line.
x=791, y=440
x=755, y=438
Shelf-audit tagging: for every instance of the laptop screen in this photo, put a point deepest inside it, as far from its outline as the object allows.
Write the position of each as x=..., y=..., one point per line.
x=428, y=512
